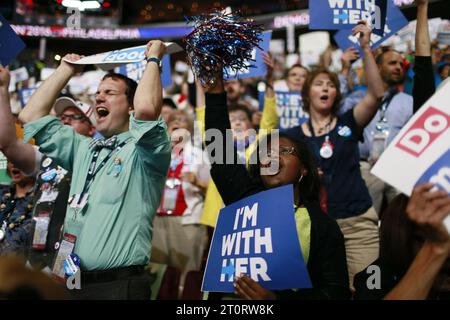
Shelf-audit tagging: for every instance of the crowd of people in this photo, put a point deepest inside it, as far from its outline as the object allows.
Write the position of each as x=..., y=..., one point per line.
x=124, y=180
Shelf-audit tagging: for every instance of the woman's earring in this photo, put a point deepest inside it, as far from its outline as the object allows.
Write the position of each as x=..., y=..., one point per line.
x=301, y=177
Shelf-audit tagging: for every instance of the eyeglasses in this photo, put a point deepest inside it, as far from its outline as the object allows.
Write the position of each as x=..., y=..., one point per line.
x=72, y=117
x=282, y=151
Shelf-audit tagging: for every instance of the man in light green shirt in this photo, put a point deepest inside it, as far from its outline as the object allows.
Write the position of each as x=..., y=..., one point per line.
x=113, y=229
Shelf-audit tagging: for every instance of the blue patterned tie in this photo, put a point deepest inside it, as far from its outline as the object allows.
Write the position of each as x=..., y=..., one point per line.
x=98, y=144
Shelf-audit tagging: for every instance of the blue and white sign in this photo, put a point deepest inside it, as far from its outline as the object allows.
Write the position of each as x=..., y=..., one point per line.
x=394, y=22
x=10, y=43
x=438, y=173
x=345, y=14
x=25, y=95
x=257, y=236
x=290, y=109
x=257, y=67
x=136, y=70
x=421, y=150
x=111, y=59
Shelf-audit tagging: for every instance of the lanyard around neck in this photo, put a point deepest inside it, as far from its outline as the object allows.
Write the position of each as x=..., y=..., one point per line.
x=92, y=172
x=311, y=128
x=386, y=102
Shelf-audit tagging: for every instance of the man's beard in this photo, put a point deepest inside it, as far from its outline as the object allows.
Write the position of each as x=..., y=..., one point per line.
x=391, y=82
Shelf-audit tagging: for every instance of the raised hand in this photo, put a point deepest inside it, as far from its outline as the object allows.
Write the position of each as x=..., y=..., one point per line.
x=73, y=68
x=428, y=209
x=270, y=65
x=364, y=34
x=155, y=48
x=348, y=57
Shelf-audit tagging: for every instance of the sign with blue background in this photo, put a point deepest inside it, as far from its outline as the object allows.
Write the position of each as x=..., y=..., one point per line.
x=136, y=70
x=10, y=43
x=345, y=14
x=25, y=95
x=290, y=109
x=438, y=173
x=394, y=22
x=259, y=68
x=257, y=236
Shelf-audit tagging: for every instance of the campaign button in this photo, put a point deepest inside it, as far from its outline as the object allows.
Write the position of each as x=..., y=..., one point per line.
x=344, y=131
x=49, y=175
x=47, y=162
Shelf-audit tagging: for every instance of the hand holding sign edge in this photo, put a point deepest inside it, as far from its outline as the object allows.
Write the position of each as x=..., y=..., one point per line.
x=68, y=63
x=155, y=48
x=249, y=289
x=428, y=209
x=364, y=34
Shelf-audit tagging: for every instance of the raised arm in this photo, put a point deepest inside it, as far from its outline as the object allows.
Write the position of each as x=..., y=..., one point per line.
x=366, y=109
x=44, y=97
x=423, y=45
x=424, y=85
x=269, y=119
x=348, y=57
x=199, y=95
x=22, y=155
x=268, y=60
x=148, y=96
x=232, y=180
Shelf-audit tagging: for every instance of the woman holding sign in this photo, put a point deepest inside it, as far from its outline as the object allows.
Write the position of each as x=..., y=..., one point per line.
x=322, y=243
x=334, y=142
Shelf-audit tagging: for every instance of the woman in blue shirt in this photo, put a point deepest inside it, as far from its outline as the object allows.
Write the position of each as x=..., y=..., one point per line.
x=334, y=141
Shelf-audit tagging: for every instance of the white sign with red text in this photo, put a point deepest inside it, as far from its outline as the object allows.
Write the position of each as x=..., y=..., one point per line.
x=421, y=151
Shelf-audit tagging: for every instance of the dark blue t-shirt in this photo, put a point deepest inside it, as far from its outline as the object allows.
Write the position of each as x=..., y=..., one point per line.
x=347, y=194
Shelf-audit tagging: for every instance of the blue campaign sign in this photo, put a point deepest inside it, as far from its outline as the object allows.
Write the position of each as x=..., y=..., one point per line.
x=259, y=68
x=136, y=70
x=261, y=95
x=10, y=43
x=257, y=236
x=394, y=22
x=25, y=95
x=345, y=14
x=290, y=109
x=438, y=173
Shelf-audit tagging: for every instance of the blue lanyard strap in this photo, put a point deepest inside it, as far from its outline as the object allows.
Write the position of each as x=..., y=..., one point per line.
x=91, y=173
x=386, y=102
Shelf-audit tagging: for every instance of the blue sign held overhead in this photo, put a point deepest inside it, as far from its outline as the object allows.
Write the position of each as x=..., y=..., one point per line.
x=345, y=14
x=257, y=236
x=136, y=70
x=10, y=43
x=259, y=68
x=394, y=22
x=25, y=95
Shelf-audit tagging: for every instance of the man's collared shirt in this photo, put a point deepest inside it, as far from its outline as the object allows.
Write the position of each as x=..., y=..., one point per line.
x=397, y=114
x=115, y=228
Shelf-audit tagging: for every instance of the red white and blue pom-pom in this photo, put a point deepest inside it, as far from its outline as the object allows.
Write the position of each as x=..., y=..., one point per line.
x=220, y=39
